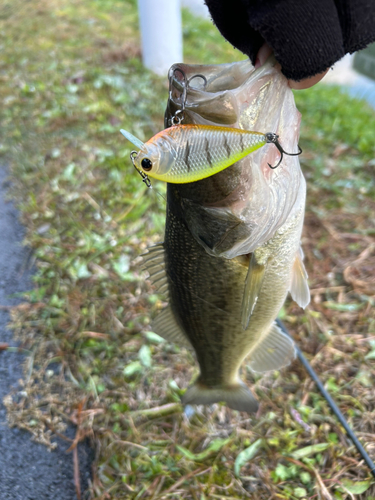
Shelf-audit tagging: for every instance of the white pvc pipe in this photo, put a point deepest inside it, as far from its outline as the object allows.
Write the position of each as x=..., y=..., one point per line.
x=161, y=33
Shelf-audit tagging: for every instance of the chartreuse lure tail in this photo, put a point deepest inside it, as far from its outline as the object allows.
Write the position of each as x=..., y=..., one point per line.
x=188, y=153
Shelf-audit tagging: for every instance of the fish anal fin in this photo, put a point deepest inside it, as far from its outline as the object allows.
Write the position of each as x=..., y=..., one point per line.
x=167, y=327
x=154, y=263
x=273, y=352
x=237, y=396
x=253, y=285
x=299, y=288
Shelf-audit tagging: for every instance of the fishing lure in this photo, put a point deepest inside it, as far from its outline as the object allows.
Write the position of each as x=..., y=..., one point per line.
x=189, y=153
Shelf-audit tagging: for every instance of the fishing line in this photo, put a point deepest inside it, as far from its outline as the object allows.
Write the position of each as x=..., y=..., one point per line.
x=331, y=403
x=145, y=177
x=158, y=193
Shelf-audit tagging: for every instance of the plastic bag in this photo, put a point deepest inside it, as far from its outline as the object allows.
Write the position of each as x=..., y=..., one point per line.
x=239, y=209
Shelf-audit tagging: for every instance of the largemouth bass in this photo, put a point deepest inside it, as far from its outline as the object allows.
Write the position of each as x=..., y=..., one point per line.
x=224, y=308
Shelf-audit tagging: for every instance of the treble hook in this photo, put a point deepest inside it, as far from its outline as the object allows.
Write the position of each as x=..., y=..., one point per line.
x=176, y=120
x=145, y=177
x=273, y=138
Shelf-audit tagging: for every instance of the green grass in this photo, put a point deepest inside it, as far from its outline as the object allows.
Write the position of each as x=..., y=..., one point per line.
x=203, y=44
x=70, y=78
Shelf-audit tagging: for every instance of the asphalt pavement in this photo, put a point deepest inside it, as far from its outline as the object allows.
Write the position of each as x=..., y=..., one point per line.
x=28, y=471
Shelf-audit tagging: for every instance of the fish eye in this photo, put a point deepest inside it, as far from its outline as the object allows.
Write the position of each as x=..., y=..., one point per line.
x=146, y=164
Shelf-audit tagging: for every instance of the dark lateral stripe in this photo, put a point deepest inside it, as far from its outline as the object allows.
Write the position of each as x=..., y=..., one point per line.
x=227, y=147
x=208, y=153
x=241, y=143
x=187, y=153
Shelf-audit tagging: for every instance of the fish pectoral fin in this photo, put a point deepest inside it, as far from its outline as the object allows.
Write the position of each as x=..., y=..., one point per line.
x=253, y=285
x=214, y=228
x=237, y=396
x=273, y=352
x=154, y=263
x=167, y=327
x=299, y=288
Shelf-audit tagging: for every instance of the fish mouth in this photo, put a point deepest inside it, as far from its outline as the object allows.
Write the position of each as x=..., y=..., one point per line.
x=209, y=95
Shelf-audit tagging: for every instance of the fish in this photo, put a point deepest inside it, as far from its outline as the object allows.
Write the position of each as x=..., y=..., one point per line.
x=190, y=153
x=222, y=298
x=212, y=308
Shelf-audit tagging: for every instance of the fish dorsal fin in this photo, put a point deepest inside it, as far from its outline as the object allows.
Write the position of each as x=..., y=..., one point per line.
x=165, y=323
x=274, y=351
x=167, y=327
x=154, y=262
x=299, y=288
x=253, y=285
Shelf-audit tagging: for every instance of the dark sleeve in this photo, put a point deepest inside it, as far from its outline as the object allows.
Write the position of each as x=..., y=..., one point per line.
x=307, y=36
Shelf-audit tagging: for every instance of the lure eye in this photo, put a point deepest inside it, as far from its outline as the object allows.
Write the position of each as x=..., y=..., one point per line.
x=146, y=164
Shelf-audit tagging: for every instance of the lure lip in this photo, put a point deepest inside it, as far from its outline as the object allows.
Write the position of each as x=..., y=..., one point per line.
x=130, y=137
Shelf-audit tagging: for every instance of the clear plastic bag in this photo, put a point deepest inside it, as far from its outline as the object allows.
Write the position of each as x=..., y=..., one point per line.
x=236, y=211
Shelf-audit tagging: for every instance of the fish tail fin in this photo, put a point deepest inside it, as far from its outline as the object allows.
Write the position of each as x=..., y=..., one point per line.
x=236, y=396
